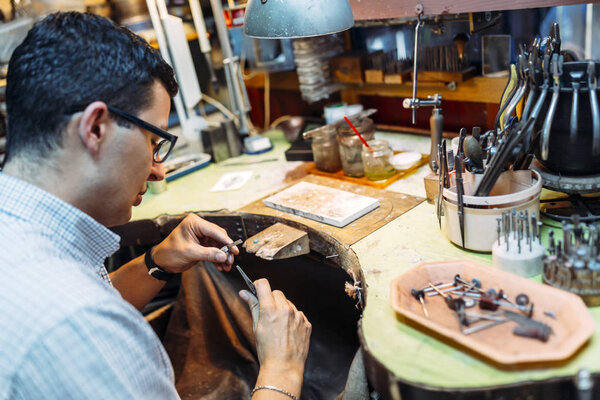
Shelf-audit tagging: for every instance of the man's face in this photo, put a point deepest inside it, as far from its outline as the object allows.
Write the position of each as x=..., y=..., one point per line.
x=131, y=162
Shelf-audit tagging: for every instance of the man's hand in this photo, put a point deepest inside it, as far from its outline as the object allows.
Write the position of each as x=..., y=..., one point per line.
x=192, y=241
x=282, y=336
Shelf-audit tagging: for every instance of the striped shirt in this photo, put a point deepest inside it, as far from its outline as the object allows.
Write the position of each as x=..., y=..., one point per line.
x=65, y=331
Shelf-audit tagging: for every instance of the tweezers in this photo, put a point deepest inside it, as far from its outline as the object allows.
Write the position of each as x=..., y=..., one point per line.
x=247, y=280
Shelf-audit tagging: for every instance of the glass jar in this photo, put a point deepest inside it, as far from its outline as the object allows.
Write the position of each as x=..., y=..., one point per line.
x=325, y=150
x=376, y=160
x=351, y=146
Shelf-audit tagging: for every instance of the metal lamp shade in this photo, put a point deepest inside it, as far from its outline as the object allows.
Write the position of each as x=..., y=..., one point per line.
x=268, y=19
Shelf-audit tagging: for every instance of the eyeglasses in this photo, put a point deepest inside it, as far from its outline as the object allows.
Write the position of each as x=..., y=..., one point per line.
x=163, y=148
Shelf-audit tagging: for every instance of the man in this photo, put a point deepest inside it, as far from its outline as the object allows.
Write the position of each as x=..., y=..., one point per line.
x=83, y=99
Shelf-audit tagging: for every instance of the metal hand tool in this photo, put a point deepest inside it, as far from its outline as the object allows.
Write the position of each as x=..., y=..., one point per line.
x=593, y=85
x=441, y=178
x=482, y=327
x=447, y=168
x=531, y=139
x=247, y=280
x=532, y=61
x=227, y=247
x=555, y=38
x=509, y=91
x=473, y=152
x=460, y=200
x=499, y=160
x=556, y=65
x=461, y=142
x=419, y=295
x=575, y=84
x=522, y=71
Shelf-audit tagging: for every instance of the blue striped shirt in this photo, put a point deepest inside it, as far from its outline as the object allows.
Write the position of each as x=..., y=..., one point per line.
x=65, y=331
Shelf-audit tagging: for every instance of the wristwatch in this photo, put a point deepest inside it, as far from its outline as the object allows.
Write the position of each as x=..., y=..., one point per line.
x=155, y=270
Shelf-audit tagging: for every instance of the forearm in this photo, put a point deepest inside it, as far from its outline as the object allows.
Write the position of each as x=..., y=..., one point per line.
x=289, y=380
x=134, y=283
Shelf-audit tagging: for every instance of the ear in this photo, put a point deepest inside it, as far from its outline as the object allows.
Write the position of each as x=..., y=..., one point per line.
x=94, y=126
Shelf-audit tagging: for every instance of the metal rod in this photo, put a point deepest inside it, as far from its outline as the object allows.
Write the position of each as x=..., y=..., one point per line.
x=415, y=71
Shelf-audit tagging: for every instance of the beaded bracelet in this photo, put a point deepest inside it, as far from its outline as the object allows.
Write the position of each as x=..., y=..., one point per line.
x=275, y=388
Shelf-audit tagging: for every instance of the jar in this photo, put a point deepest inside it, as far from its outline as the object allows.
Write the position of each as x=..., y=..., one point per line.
x=376, y=160
x=351, y=146
x=325, y=150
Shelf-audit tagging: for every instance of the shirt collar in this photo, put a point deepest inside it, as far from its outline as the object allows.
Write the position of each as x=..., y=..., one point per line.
x=72, y=230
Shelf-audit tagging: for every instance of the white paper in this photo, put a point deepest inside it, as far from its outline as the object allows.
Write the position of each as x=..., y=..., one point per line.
x=232, y=181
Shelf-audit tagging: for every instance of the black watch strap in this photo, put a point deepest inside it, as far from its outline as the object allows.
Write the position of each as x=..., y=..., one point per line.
x=155, y=270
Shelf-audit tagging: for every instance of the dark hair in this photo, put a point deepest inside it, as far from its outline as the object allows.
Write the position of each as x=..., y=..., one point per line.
x=67, y=61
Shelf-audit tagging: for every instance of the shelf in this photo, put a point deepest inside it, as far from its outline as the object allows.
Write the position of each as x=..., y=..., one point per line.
x=386, y=9
x=479, y=89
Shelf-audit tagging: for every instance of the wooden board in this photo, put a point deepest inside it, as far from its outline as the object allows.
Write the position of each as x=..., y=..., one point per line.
x=312, y=169
x=277, y=242
x=391, y=205
x=398, y=78
x=439, y=76
x=572, y=327
x=321, y=203
x=373, y=76
x=390, y=9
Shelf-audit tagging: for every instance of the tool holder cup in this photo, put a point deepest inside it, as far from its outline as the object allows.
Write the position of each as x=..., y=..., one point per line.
x=572, y=141
x=514, y=189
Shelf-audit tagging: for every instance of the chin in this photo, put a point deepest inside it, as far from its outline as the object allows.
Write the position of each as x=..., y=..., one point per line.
x=119, y=219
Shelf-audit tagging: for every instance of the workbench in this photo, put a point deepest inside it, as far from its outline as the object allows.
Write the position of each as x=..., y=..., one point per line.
x=414, y=363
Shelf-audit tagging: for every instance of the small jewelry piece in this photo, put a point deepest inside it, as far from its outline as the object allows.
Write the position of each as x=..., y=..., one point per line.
x=274, y=388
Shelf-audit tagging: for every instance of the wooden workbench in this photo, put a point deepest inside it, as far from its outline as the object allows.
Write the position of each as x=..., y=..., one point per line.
x=411, y=357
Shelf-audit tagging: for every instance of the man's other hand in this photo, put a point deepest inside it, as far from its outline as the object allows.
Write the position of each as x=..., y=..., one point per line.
x=192, y=241
x=282, y=332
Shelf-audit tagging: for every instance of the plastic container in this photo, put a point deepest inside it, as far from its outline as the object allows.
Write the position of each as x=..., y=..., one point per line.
x=351, y=146
x=405, y=160
x=325, y=150
x=376, y=160
x=519, y=189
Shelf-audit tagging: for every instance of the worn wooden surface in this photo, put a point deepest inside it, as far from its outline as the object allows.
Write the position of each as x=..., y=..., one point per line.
x=277, y=242
x=440, y=76
x=384, y=9
x=391, y=205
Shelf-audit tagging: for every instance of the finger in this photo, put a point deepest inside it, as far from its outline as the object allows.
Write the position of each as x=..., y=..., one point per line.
x=211, y=254
x=282, y=301
x=304, y=317
x=223, y=267
x=201, y=227
x=263, y=290
x=292, y=306
x=252, y=304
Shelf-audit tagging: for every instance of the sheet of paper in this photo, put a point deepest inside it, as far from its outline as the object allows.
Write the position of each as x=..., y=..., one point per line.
x=232, y=181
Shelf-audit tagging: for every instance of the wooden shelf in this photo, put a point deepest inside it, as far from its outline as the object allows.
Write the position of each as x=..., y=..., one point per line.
x=386, y=9
x=478, y=89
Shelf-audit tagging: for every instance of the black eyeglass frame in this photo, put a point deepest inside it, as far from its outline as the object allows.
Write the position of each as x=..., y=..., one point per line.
x=172, y=139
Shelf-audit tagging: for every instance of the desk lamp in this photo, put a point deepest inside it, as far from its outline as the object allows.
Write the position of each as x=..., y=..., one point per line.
x=272, y=19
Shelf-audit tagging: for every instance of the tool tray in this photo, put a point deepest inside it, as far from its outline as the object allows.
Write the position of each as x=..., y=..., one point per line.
x=572, y=327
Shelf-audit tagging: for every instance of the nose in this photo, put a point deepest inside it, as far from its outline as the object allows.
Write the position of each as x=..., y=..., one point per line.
x=157, y=173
